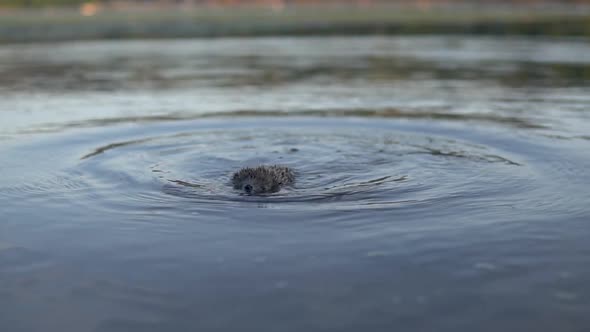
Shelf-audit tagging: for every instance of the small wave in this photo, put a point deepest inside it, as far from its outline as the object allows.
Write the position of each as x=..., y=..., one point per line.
x=386, y=113
x=336, y=168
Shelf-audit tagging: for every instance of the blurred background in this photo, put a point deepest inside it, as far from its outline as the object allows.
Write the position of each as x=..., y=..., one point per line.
x=26, y=20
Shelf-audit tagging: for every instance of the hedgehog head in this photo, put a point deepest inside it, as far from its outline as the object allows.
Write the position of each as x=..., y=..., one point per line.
x=259, y=180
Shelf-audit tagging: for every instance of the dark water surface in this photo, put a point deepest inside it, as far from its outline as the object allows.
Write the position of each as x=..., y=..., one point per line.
x=442, y=185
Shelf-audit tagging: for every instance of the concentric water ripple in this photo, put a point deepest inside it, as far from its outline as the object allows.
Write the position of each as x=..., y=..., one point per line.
x=339, y=164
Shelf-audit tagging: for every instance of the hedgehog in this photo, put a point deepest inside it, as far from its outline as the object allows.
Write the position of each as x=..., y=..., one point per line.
x=262, y=179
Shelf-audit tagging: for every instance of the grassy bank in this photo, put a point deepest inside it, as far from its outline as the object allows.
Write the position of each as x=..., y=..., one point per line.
x=69, y=24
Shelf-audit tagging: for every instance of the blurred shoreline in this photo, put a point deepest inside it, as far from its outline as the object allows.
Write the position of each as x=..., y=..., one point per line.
x=93, y=21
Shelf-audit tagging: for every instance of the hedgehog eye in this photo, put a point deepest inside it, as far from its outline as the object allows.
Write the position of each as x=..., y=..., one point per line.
x=248, y=188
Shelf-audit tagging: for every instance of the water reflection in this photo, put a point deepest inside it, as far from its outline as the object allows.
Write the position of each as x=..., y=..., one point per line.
x=516, y=82
x=442, y=184
x=165, y=72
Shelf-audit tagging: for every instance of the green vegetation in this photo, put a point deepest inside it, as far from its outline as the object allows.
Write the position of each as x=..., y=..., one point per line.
x=69, y=24
x=39, y=3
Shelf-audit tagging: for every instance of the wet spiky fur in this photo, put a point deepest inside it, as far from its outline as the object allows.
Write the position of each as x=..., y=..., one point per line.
x=262, y=179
